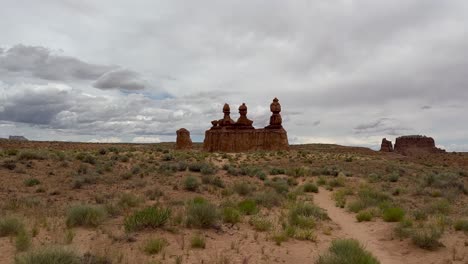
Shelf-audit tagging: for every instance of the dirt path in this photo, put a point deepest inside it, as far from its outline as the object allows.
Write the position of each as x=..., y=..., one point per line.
x=363, y=232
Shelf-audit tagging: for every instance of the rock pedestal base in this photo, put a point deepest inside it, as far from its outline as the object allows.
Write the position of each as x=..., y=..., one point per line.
x=239, y=140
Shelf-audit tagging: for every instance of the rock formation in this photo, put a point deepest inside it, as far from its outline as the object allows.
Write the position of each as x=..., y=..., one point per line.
x=183, y=140
x=228, y=136
x=416, y=144
x=18, y=138
x=386, y=146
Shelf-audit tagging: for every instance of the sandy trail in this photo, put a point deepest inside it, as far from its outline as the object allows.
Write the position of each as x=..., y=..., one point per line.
x=359, y=231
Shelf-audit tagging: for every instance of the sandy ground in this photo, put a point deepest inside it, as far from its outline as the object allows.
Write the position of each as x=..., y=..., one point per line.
x=376, y=238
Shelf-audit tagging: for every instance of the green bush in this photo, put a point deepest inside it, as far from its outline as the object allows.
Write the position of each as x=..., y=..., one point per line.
x=364, y=216
x=260, y=223
x=10, y=226
x=231, y=215
x=347, y=251
x=277, y=171
x=201, y=214
x=393, y=214
x=128, y=200
x=191, y=183
x=149, y=217
x=268, y=199
x=31, y=182
x=242, y=188
x=31, y=155
x=48, y=256
x=310, y=187
x=427, y=237
x=281, y=186
x=197, y=241
x=207, y=169
x=85, y=215
x=461, y=225
x=154, y=246
x=247, y=207
x=304, y=215
x=23, y=241
x=213, y=180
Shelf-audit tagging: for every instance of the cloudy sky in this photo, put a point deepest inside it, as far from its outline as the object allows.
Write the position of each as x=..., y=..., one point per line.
x=346, y=71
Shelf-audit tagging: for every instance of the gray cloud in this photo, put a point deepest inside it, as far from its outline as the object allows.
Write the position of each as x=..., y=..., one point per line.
x=41, y=63
x=121, y=78
x=345, y=63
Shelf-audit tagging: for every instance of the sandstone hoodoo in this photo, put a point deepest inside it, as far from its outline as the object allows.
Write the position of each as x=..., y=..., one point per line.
x=416, y=144
x=228, y=136
x=386, y=146
x=183, y=140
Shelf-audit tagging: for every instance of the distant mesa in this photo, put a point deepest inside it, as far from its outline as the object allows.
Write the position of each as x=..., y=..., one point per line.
x=413, y=144
x=18, y=138
x=183, y=140
x=225, y=135
x=386, y=145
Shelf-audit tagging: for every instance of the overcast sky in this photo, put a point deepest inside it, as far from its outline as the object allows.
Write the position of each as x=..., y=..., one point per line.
x=346, y=72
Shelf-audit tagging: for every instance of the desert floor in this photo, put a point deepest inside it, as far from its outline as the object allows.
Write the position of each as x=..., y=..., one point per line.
x=94, y=201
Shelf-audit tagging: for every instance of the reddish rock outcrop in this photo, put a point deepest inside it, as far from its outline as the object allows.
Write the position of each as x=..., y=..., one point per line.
x=228, y=136
x=183, y=140
x=416, y=144
x=386, y=146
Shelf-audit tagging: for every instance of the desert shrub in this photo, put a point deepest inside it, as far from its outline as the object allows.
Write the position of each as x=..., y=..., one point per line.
x=128, y=200
x=153, y=194
x=154, y=245
x=366, y=198
x=10, y=226
x=277, y=171
x=347, y=251
x=182, y=166
x=447, y=181
x=404, y=228
x=441, y=206
x=281, y=186
x=304, y=215
x=88, y=158
x=260, y=224
x=195, y=167
x=168, y=168
x=48, y=256
x=393, y=177
x=9, y=164
x=149, y=217
x=85, y=215
x=310, y=187
x=232, y=170
x=279, y=237
x=243, y=188
x=321, y=181
x=198, y=241
x=207, y=169
x=247, y=207
x=213, y=180
x=364, y=216
x=23, y=241
x=461, y=225
x=298, y=172
x=427, y=237
x=201, y=213
x=339, y=181
x=31, y=182
x=340, y=196
x=393, y=214
x=31, y=155
x=250, y=170
x=191, y=183
x=231, y=215
x=268, y=199
x=167, y=157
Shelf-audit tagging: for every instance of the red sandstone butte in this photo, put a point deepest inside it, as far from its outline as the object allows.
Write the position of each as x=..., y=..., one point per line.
x=416, y=144
x=228, y=136
x=183, y=140
x=386, y=146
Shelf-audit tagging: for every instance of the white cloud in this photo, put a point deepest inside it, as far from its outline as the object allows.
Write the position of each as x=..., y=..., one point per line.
x=106, y=140
x=146, y=140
